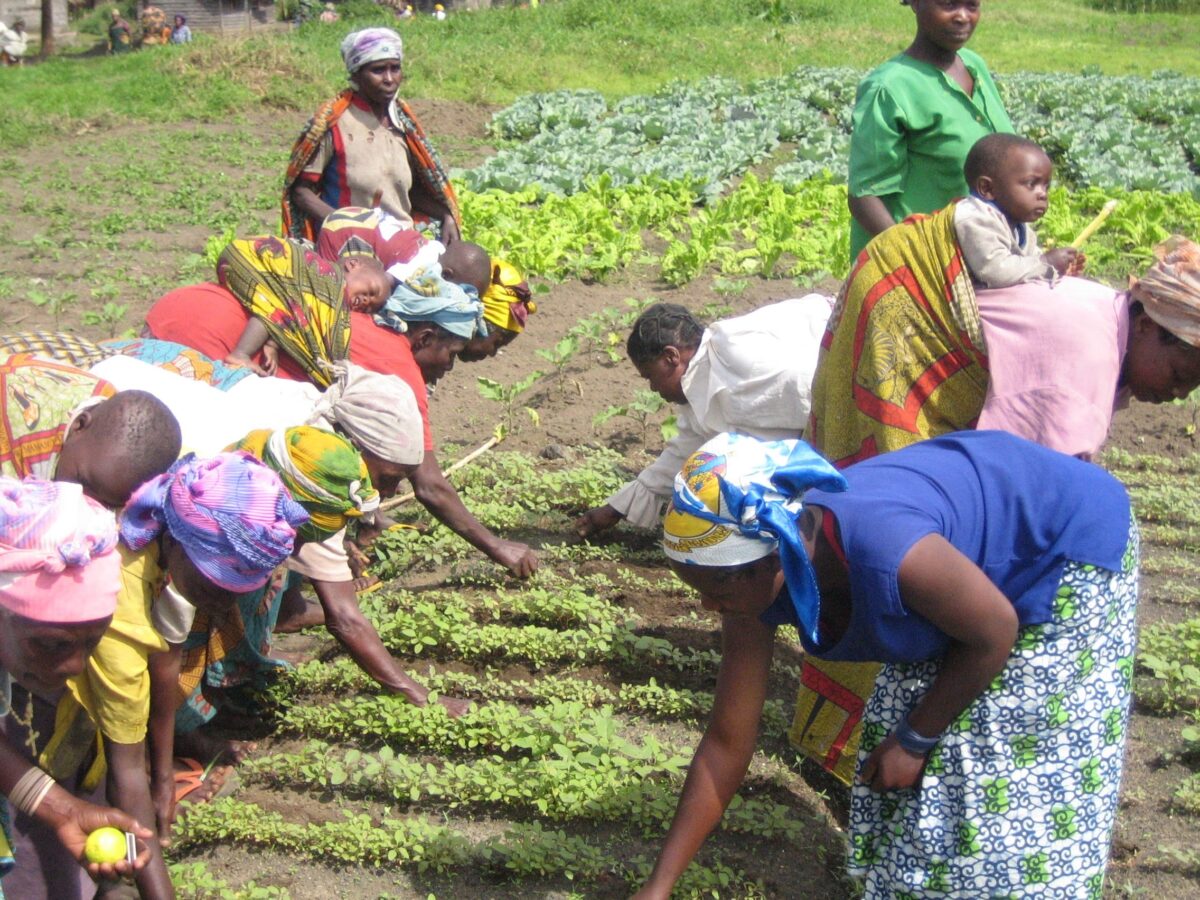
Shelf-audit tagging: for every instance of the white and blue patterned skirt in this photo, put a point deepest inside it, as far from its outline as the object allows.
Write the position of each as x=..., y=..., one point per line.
x=1018, y=798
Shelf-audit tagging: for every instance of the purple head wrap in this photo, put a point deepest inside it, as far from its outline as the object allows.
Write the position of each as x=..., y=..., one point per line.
x=370, y=45
x=231, y=514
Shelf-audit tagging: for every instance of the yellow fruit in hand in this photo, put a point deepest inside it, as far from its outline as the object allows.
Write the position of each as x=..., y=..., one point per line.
x=105, y=845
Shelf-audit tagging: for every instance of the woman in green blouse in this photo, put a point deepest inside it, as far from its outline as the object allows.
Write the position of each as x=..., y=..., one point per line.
x=915, y=118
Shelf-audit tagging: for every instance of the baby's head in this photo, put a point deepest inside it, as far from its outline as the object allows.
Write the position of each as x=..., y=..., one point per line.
x=367, y=286
x=1011, y=171
x=466, y=263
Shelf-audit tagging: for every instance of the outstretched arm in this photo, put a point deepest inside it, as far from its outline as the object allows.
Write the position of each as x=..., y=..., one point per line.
x=129, y=789
x=939, y=583
x=164, y=699
x=353, y=631
x=438, y=496
x=309, y=202
x=253, y=339
x=725, y=750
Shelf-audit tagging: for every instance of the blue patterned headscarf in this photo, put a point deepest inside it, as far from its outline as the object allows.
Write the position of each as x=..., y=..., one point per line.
x=370, y=45
x=737, y=499
x=428, y=297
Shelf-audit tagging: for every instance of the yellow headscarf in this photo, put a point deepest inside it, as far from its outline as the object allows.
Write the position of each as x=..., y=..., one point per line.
x=507, y=302
x=324, y=472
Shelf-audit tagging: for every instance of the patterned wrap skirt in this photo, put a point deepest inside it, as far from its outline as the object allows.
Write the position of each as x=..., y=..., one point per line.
x=1018, y=798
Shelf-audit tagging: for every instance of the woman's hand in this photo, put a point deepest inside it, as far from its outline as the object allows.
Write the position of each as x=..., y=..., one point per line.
x=892, y=768
x=72, y=820
x=450, y=231
x=596, y=520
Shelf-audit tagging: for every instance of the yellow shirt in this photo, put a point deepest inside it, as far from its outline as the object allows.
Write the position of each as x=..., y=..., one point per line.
x=115, y=686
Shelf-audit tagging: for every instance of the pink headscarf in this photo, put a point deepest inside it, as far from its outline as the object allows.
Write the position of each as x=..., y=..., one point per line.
x=57, y=559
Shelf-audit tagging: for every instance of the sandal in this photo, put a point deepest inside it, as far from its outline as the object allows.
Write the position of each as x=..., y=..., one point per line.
x=194, y=777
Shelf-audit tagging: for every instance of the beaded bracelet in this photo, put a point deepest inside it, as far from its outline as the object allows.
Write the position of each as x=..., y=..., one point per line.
x=913, y=742
x=30, y=790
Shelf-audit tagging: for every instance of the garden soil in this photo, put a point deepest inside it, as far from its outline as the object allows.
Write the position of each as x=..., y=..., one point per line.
x=151, y=262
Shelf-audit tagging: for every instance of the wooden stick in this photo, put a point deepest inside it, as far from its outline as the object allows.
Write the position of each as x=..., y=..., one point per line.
x=469, y=458
x=1094, y=225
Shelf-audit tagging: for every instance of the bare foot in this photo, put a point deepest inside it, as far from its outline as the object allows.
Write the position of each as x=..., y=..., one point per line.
x=194, y=784
x=296, y=613
x=199, y=744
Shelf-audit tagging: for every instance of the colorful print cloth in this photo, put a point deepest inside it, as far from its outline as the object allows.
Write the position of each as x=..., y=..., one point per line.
x=322, y=470
x=56, y=345
x=39, y=398
x=427, y=169
x=1018, y=798
x=231, y=653
x=902, y=360
x=296, y=295
x=181, y=360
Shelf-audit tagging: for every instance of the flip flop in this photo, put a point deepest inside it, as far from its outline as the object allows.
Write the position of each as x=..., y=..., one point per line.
x=374, y=583
x=194, y=776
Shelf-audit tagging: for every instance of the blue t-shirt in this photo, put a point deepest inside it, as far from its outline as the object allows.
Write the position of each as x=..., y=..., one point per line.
x=1017, y=510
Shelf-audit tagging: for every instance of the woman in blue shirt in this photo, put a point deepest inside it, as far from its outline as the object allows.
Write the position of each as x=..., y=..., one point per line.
x=998, y=582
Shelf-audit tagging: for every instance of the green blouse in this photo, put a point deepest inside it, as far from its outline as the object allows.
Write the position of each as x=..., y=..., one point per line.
x=913, y=126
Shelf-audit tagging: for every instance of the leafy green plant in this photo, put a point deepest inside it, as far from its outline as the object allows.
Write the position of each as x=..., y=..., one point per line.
x=109, y=315
x=641, y=410
x=509, y=397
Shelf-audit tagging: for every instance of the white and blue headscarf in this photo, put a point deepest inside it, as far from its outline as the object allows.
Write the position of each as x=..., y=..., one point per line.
x=738, y=499
x=425, y=296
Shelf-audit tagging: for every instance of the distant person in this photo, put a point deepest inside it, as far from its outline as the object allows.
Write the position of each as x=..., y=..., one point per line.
x=181, y=34
x=120, y=35
x=439, y=12
x=154, y=26
x=365, y=148
x=750, y=374
x=329, y=15
x=1009, y=177
x=13, y=43
x=915, y=118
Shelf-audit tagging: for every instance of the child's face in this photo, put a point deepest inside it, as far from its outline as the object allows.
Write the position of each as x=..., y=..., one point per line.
x=366, y=289
x=1021, y=185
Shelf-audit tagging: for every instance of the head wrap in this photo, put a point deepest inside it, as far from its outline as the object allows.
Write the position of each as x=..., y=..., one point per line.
x=370, y=45
x=231, y=515
x=1170, y=289
x=324, y=472
x=57, y=559
x=428, y=297
x=377, y=412
x=508, y=302
x=738, y=498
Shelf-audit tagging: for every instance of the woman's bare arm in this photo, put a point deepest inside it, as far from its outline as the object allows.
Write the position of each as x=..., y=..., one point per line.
x=871, y=214
x=724, y=752
x=939, y=583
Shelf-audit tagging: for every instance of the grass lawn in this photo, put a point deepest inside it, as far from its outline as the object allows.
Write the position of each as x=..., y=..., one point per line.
x=612, y=46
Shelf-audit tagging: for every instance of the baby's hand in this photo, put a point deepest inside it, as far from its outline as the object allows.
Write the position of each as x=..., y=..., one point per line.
x=1065, y=260
x=236, y=359
x=270, y=355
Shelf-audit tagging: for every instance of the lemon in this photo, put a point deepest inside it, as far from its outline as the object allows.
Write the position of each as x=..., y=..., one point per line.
x=105, y=845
